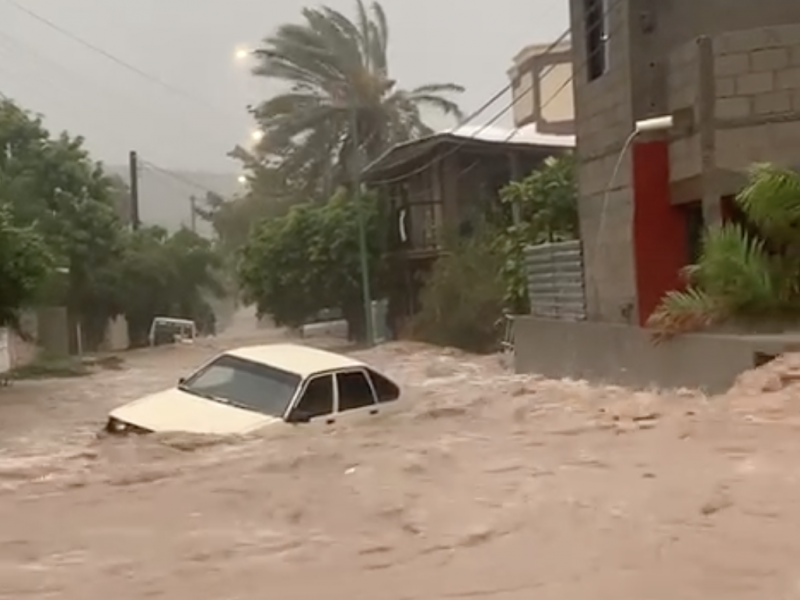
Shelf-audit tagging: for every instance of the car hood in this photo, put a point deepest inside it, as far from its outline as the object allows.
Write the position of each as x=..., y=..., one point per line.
x=176, y=411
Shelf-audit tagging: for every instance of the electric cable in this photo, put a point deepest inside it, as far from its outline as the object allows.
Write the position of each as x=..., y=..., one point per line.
x=467, y=139
x=114, y=58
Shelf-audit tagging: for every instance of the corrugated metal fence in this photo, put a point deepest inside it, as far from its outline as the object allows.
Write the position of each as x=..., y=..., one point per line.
x=555, y=280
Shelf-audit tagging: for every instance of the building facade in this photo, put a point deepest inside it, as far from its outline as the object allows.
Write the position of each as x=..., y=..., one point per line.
x=728, y=72
x=442, y=188
x=541, y=79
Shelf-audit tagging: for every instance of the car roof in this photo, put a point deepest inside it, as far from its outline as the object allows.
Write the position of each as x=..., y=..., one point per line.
x=295, y=358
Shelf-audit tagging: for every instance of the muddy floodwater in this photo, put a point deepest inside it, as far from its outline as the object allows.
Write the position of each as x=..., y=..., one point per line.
x=483, y=485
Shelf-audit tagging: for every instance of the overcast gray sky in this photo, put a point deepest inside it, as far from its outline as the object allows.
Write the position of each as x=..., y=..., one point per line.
x=191, y=46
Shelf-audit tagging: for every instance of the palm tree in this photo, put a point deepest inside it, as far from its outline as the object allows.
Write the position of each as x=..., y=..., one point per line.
x=749, y=270
x=339, y=91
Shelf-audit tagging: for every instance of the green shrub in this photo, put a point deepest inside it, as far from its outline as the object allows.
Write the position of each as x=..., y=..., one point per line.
x=462, y=299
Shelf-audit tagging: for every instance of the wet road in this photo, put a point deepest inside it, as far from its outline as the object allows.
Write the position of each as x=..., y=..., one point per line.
x=486, y=485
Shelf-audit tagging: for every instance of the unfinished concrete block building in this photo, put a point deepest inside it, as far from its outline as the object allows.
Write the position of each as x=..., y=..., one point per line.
x=728, y=71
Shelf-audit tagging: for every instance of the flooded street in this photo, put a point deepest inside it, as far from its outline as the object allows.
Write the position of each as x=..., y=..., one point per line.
x=484, y=485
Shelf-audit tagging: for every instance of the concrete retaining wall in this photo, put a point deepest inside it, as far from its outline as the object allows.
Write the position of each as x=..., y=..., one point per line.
x=625, y=355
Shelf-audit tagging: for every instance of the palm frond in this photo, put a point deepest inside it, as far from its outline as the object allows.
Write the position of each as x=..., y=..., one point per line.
x=684, y=312
x=378, y=46
x=437, y=88
x=337, y=74
x=771, y=199
x=440, y=103
x=735, y=267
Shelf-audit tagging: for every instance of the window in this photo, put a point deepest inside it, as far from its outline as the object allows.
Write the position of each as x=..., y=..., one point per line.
x=385, y=389
x=246, y=384
x=317, y=399
x=596, y=24
x=354, y=391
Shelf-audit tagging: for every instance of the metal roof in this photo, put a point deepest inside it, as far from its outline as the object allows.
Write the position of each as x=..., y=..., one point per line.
x=294, y=358
x=527, y=135
x=473, y=135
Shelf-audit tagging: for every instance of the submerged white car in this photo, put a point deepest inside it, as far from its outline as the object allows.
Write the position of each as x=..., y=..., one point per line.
x=243, y=390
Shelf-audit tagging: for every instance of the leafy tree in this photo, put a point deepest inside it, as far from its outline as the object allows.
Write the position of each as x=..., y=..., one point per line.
x=24, y=265
x=547, y=204
x=167, y=275
x=337, y=74
x=51, y=185
x=294, y=266
x=58, y=205
x=745, y=270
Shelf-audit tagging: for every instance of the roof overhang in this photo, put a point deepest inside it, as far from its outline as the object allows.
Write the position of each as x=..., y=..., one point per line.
x=409, y=154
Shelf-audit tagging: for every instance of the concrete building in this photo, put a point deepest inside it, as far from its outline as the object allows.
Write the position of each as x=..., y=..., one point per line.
x=728, y=71
x=542, y=87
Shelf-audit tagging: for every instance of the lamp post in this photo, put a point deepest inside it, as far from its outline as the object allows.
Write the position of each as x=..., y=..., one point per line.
x=343, y=99
x=366, y=293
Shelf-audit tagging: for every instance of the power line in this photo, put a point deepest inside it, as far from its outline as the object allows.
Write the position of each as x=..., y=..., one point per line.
x=177, y=91
x=56, y=66
x=13, y=48
x=179, y=178
x=510, y=106
x=114, y=58
x=507, y=88
x=9, y=43
x=550, y=49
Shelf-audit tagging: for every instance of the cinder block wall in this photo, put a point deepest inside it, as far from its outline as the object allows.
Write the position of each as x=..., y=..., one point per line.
x=757, y=88
x=757, y=76
x=603, y=116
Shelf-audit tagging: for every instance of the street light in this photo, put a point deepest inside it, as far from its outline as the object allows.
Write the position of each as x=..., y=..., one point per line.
x=257, y=135
x=663, y=123
x=242, y=54
x=655, y=124
x=241, y=179
x=366, y=293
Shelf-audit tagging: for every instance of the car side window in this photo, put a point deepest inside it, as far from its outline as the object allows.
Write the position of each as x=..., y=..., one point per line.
x=317, y=398
x=354, y=390
x=385, y=389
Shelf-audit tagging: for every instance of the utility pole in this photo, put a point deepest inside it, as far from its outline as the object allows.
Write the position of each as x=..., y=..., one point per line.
x=193, y=215
x=362, y=228
x=133, y=165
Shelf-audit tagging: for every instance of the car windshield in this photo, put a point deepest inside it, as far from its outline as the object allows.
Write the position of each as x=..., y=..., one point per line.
x=244, y=384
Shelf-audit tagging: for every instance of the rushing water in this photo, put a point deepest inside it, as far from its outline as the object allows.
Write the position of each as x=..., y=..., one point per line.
x=483, y=485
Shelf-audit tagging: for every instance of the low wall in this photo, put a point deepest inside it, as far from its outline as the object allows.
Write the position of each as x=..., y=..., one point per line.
x=625, y=355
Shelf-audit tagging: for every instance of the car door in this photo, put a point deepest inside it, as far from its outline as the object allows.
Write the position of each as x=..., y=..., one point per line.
x=355, y=396
x=316, y=402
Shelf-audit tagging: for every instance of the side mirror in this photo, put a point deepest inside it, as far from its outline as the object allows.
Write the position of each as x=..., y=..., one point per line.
x=299, y=416
x=181, y=380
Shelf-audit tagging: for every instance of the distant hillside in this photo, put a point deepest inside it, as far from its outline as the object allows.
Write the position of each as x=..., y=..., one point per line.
x=164, y=199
